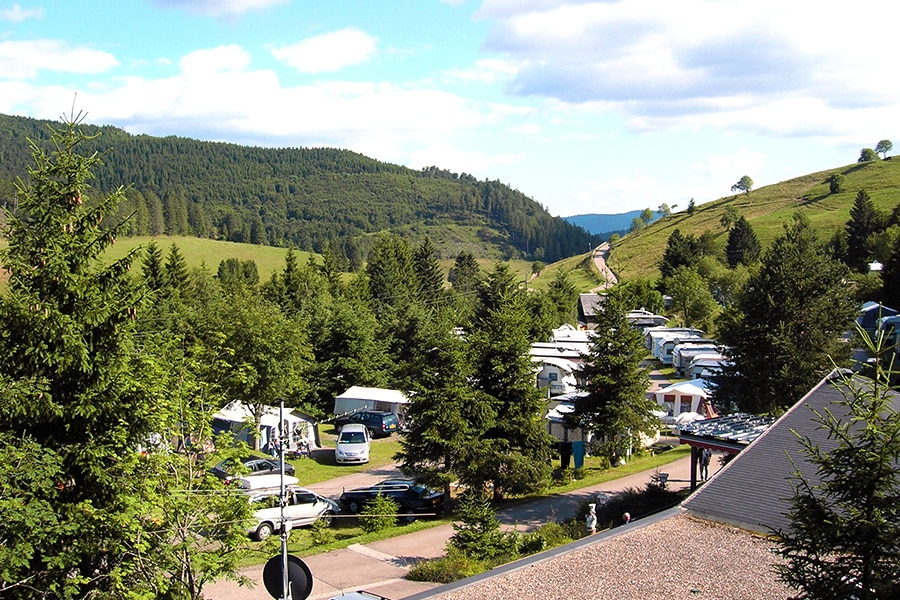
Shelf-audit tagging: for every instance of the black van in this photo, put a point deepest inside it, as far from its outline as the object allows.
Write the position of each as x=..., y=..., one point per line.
x=379, y=423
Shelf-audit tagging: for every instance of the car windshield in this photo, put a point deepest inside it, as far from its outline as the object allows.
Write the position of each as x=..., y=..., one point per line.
x=352, y=437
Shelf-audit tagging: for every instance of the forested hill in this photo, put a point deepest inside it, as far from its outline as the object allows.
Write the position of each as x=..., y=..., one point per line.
x=308, y=198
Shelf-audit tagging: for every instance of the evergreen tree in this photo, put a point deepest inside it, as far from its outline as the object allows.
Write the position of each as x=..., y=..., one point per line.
x=563, y=296
x=390, y=275
x=513, y=453
x=842, y=542
x=465, y=274
x=785, y=324
x=743, y=247
x=890, y=278
x=681, y=251
x=348, y=350
x=864, y=221
x=445, y=414
x=615, y=406
x=67, y=393
x=429, y=276
x=176, y=271
x=152, y=268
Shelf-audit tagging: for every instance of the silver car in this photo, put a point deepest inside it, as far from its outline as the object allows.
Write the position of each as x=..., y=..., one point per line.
x=303, y=508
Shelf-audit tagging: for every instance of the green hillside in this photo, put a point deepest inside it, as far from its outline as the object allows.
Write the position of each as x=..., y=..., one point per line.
x=637, y=255
x=308, y=198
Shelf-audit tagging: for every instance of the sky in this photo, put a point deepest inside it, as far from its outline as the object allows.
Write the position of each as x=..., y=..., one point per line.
x=586, y=106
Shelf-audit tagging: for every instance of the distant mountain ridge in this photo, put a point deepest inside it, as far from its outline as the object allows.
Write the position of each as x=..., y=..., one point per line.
x=310, y=198
x=605, y=225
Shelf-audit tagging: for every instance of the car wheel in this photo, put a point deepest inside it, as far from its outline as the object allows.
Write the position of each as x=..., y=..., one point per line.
x=327, y=519
x=371, y=433
x=353, y=507
x=264, y=531
x=407, y=517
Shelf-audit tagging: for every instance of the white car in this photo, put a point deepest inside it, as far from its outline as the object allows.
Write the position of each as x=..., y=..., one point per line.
x=303, y=508
x=352, y=445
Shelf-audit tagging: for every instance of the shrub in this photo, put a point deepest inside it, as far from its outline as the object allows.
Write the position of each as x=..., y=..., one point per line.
x=453, y=567
x=378, y=514
x=478, y=533
x=321, y=533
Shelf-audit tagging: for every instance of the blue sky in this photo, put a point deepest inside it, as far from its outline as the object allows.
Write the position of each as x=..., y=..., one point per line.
x=587, y=106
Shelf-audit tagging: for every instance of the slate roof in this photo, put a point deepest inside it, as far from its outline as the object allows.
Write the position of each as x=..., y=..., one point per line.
x=753, y=490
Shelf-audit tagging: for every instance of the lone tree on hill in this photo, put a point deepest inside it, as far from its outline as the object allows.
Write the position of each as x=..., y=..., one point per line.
x=883, y=147
x=744, y=184
x=867, y=155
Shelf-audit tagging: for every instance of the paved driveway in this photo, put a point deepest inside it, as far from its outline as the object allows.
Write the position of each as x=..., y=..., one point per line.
x=380, y=567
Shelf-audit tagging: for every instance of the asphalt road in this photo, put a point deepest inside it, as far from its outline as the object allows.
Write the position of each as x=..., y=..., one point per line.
x=380, y=567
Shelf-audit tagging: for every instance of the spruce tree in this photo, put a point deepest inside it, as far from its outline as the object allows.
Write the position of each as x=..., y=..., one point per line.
x=864, y=221
x=66, y=389
x=742, y=247
x=512, y=454
x=429, y=276
x=615, y=406
x=785, y=325
x=842, y=542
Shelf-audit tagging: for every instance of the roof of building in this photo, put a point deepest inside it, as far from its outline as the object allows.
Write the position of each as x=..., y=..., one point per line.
x=715, y=545
x=752, y=491
x=675, y=556
x=357, y=392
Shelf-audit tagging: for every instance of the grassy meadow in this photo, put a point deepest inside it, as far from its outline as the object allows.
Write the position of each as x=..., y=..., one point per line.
x=768, y=208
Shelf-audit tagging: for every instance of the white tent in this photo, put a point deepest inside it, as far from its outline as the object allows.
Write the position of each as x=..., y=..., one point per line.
x=238, y=418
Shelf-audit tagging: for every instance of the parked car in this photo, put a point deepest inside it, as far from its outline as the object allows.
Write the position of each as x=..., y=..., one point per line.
x=352, y=445
x=411, y=497
x=379, y=423
x=228, y=469
x=303, y=508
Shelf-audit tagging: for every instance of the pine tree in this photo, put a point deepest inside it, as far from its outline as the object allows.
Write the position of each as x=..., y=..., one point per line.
x=66, y=389
x=615, y=406
x=742, y=247
x=152, y=268
x=429, y=276
x=445, y=416
x=513, y=453
x=784, y=325
x=842, y=542
x=864, y=221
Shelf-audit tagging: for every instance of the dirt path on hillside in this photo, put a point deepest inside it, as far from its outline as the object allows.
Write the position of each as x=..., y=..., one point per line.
x=601, y=253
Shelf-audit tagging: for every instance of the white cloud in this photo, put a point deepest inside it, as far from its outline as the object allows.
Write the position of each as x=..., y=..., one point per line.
x=217, y=8
x=17, y=14
x=328, y=52
x=488, y=70
x=26, y=59
x=749, y=65
x=618, y=194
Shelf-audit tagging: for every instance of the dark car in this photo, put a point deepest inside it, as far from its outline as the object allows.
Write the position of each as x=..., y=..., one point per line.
x=412, y=498
x=379, y=423
x=252, y=465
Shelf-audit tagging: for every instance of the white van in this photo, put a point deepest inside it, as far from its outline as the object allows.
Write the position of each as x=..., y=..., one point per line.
x=352, y=445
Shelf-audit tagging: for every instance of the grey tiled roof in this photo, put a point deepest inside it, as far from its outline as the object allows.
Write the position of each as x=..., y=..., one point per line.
x=753, y=490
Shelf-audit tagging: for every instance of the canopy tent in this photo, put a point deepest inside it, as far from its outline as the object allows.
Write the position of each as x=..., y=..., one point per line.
x=237, y=418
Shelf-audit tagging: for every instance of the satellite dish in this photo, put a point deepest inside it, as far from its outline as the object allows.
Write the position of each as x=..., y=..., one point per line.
x=300, y=578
